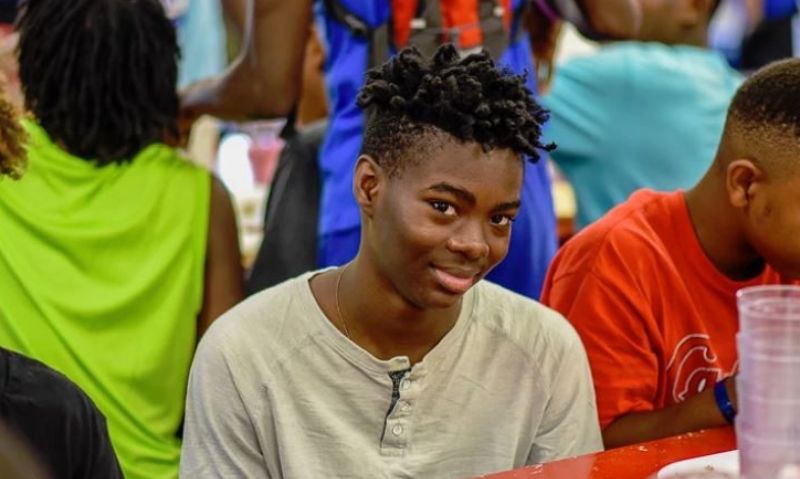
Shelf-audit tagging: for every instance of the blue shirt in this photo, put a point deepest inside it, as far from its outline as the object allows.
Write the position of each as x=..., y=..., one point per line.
x=201, y=36
x=637, y=115
x=533, y=240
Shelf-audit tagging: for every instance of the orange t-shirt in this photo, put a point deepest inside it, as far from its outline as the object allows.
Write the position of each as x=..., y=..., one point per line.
x=658, y=320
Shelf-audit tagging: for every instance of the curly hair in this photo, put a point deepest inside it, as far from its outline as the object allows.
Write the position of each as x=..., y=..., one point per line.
x=12, y=141
x=100, y=75
x=468, y=98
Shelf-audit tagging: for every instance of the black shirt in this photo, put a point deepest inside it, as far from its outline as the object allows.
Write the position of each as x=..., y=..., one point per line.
x=61, y=424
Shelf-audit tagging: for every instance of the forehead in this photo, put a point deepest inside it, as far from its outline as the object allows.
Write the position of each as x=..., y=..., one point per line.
x=442, y=158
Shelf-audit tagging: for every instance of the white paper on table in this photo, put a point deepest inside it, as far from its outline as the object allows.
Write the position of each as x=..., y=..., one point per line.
x=726, y=462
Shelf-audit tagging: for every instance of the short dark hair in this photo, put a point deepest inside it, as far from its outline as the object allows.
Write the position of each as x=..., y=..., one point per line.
x=469, y=98
x=770, y=97
x=100, y=75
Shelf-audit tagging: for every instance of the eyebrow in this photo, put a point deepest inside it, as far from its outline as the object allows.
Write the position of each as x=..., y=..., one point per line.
x=454, y=190
x=465, y=195
x=508, y=205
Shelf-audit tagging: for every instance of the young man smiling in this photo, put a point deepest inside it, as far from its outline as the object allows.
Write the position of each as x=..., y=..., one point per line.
x=403, y=363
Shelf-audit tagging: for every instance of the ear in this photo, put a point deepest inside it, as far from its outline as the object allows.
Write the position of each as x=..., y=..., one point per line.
x=743, y=180
x=369, y=180
x=690, y=13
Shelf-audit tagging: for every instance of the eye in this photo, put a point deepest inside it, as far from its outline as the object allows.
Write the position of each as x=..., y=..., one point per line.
x=443, y=207
x=501, y=220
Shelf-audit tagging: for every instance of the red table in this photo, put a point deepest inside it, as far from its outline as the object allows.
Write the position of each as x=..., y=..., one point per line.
x=632, y=462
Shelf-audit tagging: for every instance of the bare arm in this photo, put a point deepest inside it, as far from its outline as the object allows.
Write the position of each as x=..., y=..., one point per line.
x=698, y=412
x=224, y=278
x=264, y=80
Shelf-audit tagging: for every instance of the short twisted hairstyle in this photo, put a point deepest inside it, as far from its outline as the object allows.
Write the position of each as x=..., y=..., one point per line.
x=100, y=75
x=469, y=98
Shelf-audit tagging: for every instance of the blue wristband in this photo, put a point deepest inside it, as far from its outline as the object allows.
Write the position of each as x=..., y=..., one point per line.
x=724, y=402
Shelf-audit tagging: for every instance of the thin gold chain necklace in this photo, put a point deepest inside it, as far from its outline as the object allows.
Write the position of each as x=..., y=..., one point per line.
x=338, y=308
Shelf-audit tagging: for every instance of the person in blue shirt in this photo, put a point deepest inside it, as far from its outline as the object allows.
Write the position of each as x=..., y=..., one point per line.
x=264, y=81
x=644, y=113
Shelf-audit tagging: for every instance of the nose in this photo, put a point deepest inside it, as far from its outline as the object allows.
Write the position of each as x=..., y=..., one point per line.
x=470, y=240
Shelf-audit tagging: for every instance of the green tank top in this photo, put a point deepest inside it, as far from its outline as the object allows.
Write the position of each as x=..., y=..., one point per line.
x=101, y=277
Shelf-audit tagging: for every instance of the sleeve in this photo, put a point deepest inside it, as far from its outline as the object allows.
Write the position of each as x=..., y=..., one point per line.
x=98, y=457
x=220, y=439
x=617, y=329
x=570, y=426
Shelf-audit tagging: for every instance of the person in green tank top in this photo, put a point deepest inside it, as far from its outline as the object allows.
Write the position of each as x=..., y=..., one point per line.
x=116, y=252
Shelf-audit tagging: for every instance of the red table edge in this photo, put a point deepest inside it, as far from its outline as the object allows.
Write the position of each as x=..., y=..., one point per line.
x=637, y=461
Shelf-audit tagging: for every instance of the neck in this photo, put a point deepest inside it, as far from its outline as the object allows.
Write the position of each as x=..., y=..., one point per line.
x=382, y=321
x=698, y=38
x=716, y=224
x=695, y=37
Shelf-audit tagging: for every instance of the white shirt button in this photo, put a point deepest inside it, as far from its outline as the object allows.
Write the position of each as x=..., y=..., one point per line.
x=407, y=384
x=397, y=430
x=404, y=406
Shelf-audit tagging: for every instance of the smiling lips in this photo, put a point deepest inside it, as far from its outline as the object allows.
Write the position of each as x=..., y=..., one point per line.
x=456, y=281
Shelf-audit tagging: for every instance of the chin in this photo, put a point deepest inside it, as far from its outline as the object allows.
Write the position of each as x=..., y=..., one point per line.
x=439, y=299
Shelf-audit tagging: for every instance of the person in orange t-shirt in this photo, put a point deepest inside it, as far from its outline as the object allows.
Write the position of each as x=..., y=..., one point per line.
x=651, y=286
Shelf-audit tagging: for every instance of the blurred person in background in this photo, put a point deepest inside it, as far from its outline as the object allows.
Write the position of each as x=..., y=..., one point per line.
x=116, y=252
x=644, y=113
x=289, y=244
x=39, y=407
x=651, y=287
x=774, y=33
x=264, y=81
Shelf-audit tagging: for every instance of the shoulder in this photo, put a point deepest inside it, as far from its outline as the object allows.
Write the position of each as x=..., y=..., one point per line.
x=39, y=394
x=591, y=84
x=528, y=325
x=631, y=232
x=658, y=67
x=160, y=155
x=608, y=61
x=46, y=386
x=265, y=327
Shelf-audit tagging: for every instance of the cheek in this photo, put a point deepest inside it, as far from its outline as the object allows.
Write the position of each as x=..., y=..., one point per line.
x=498, y=246
x=412, y=232
x=778, y=228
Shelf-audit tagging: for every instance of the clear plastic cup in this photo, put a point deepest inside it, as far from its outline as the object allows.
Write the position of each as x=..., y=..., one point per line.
x=768, y=362
x=698, y=475
x=768, y=383
x=774, y=308
x=767, y=458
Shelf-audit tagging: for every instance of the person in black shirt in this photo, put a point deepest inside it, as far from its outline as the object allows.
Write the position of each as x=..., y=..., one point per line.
x=64, y=429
